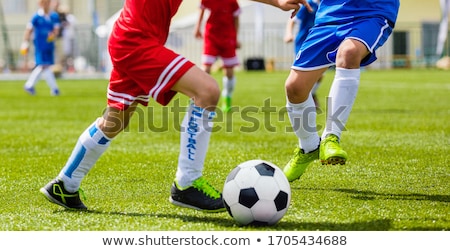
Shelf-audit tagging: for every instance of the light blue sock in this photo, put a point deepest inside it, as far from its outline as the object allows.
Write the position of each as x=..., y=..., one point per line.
x=90, y=146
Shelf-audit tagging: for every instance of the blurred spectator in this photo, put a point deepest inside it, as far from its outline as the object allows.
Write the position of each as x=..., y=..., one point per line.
x=67, y=35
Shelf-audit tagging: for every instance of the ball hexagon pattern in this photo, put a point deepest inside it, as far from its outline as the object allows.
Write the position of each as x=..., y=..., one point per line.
x=256, y=192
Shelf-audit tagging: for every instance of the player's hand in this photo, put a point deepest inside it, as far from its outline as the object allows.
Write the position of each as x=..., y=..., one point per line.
x=198, y=35
x=238, y=45
x=288, y=5
x=288, y=38
x=51, y=37
x=24, y=47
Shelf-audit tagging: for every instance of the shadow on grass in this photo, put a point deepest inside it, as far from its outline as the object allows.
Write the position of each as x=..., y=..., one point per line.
x=223, y=220
x=370, y=195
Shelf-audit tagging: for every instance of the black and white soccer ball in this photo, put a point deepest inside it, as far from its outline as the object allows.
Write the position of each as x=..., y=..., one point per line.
x=256, y=192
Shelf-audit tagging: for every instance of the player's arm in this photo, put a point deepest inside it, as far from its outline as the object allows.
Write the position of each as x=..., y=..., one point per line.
x=24, y=47
x=198, y=25
x=56, y=28
x=288, y=4
x=289, y=32
x=236, y=25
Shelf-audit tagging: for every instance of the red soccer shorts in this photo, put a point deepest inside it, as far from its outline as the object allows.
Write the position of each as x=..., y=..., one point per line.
x=143, y=72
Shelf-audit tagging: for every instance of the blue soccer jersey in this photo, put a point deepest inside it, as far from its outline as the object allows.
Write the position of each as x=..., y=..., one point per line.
x=306, y=21
x=43, y=25
x=344, y=11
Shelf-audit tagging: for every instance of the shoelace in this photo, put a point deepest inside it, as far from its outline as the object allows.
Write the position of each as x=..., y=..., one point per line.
x=203, y=185
x=58, y=190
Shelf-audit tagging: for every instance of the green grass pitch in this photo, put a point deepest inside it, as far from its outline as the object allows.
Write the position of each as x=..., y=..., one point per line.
x=397, y=176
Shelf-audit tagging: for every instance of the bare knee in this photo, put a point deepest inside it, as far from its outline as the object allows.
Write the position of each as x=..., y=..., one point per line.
x=350, y=54
x=208, y=96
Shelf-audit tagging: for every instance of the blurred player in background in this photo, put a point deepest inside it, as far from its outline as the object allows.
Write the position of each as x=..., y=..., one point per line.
x=67, y=34
x=44, y=26
x=220, y=40
x=304, y=20
x=346, y=34
x=144, y=68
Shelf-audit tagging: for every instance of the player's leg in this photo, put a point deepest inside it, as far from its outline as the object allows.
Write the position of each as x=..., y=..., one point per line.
x=228, y=85
x=230, y=60
x=33, y=79
x=190, y=189
x=314, y=92
x=48, y=59
x=357, y=48
x=302, y=115
x=49, y=76
x=341, y=99
x=91, y=144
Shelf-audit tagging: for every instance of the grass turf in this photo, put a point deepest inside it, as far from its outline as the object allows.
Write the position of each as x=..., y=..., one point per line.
x=397, y=176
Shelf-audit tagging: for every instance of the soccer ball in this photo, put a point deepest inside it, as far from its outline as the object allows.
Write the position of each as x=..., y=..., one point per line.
x=256, y=192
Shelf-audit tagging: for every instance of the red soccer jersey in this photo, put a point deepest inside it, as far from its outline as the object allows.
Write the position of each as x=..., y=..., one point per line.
x=144, y=19
x=220, y=25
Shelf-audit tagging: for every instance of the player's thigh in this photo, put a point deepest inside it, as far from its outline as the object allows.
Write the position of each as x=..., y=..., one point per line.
x=199, y=86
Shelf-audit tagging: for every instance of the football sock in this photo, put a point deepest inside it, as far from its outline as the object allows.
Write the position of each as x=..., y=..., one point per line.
x=228, y=86
x=50, y=78
x=341, y=99
x=90, y=146
x=34, y=77
x=195, y=133
x=303, y=121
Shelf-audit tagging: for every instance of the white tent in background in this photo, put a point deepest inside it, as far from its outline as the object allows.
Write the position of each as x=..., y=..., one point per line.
x=443, y=27
x=444, y=62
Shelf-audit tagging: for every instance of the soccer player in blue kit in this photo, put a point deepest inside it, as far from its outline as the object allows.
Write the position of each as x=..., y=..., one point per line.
x=45, y=26
x=346, y=35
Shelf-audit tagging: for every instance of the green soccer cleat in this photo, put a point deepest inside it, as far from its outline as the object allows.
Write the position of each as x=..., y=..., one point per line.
x=55, y=192
x=226, y=104
x=298, y=164
x=199, y=196
x=331, y=152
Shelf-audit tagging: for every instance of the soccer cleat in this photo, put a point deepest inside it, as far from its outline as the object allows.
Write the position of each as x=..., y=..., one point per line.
x=200, y=196
x=226, y=104
x=30, y=90
x=298, y=164
x=55, y=192
x=55, y=92
x=331, y=152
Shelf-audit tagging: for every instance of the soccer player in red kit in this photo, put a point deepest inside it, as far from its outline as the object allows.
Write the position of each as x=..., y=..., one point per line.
x=220, y=40
x=144, y=68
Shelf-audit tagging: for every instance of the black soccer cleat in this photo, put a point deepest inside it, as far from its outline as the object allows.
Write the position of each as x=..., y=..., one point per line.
x=199, y=196
x=55, y=192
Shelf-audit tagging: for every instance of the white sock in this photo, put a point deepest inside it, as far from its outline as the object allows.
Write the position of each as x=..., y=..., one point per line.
x=90, y=146
x=50, y=78
x=34, y=77
x=341, y=99
x=303, y=120
x=194, y=139
x=228, y=86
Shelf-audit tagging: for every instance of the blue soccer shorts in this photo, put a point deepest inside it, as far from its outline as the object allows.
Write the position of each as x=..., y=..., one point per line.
x=45, y=57
x=320, y=48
